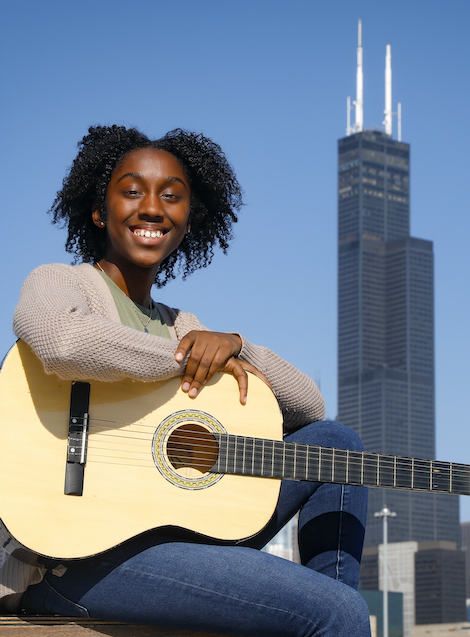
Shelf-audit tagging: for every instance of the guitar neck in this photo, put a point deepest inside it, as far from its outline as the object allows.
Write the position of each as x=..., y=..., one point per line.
x=244, y=455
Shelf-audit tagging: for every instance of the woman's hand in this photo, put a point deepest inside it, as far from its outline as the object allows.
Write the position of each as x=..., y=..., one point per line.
x=211, y=352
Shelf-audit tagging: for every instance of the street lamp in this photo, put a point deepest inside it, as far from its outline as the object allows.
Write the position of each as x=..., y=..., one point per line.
x=385, y=513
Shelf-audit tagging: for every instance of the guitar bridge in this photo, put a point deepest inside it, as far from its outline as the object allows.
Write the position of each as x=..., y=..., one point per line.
x=77, y=439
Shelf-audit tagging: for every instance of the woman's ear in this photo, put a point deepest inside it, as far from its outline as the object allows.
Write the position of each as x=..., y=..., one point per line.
x=97, y=218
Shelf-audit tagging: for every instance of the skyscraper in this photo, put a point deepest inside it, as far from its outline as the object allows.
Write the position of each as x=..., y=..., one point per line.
x=386, y=320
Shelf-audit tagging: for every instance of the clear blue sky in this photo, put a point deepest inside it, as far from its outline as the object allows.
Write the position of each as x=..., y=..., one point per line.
x=268, y=80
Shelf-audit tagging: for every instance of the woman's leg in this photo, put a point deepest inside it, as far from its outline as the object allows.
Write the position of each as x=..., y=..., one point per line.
x=221, y=589
x=332, y=517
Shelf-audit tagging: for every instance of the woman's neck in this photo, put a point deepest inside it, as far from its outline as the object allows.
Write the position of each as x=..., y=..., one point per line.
x=136, y=283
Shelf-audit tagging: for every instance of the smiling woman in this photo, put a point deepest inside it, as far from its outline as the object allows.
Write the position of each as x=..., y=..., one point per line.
x=137, y=213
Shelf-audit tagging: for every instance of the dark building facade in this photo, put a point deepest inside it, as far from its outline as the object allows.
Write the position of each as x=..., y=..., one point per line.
x=440, y=586
x=386, y=329
x=465, y=535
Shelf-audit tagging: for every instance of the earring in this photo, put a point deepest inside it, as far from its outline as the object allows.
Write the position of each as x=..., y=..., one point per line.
x=102, y=223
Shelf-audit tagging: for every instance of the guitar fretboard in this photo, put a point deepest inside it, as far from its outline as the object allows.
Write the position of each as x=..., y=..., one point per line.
x=277, y=459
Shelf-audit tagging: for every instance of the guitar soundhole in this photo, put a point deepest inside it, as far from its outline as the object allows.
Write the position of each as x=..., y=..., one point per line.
x=191, y=450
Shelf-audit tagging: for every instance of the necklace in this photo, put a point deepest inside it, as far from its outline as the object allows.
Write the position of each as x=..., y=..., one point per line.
x=151, y=308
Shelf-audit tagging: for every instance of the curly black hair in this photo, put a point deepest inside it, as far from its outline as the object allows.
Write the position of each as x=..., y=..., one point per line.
x=215, y=195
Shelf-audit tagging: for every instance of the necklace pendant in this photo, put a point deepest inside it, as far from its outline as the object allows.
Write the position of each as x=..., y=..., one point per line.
x=146, y=330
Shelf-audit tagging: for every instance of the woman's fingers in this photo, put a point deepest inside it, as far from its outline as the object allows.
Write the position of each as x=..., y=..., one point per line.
x=209, y=353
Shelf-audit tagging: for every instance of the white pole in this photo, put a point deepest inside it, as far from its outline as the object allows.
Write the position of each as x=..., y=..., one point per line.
x=388, y=91
x=348, y=117
x=385, y=513
x=399, y=121
x=385, y=581
x=359, y=103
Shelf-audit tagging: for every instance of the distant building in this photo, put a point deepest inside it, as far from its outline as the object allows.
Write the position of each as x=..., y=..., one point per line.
x=386, y=324
x=465, y=539
x=374, y=601
x=440, y=586
x=430, y=575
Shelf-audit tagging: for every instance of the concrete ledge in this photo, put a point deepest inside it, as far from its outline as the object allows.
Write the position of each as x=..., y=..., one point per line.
x=35, y=626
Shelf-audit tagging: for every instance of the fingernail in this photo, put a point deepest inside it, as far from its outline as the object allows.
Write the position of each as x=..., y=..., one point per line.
x=193, y=392
x=179, y=357
x=186, y=386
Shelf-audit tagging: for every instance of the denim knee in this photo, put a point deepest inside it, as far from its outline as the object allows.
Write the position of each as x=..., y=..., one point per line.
x=328, y=433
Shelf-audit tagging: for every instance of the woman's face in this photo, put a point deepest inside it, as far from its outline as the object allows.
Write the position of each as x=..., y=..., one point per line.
x=147, y=209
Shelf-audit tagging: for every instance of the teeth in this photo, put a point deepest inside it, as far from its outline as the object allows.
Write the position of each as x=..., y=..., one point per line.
x=149, y=234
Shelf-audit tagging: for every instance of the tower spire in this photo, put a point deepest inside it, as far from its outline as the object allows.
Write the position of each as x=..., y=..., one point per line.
x=388, y=91
x=359, y=104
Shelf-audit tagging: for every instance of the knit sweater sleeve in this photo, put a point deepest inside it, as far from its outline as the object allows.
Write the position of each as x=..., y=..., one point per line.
x=67, y=315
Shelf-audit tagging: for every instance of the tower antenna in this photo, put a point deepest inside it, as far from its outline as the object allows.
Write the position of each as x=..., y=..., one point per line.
x=359, y=103
x=388, y=91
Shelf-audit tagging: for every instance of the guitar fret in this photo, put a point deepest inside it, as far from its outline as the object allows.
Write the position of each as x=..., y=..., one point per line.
x=355, y=474
x=278, y=462
x=235, y=456
x=421, y=474
x=441, y=478
x=340, y=466
x=289, y=456
x=370, y=469
x=301, y=461
x=404, y=473
x=326, y=469
x=387, y=471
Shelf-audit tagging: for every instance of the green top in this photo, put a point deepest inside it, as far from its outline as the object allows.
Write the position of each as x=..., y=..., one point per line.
x=135, y=315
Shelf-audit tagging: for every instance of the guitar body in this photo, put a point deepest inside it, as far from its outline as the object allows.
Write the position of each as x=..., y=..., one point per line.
x=134, y=477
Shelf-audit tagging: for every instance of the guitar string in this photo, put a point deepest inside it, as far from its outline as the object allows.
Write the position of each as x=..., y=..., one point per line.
x=367, y=455
x=372, y=465
x=459, y=490
x=204, y=468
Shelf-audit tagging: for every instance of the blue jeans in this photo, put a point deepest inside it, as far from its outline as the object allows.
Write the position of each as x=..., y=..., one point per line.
x=168, y=578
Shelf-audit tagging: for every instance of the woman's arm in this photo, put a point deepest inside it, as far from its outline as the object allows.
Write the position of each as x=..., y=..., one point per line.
x=67, y=315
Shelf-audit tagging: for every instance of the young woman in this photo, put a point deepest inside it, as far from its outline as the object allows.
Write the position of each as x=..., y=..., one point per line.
x=138, y=211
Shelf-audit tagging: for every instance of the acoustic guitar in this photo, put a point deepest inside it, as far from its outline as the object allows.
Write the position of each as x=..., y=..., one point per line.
x=87, y=466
